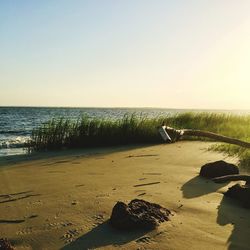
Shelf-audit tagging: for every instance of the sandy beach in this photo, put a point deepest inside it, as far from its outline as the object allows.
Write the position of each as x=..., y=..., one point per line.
x=64, y=200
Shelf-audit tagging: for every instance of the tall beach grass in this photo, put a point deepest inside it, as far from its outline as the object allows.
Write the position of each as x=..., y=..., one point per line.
x=87, y=132
x=131, y=129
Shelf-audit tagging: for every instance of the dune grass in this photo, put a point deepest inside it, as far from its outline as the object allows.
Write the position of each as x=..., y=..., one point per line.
x=86, y=132
x=132, y=129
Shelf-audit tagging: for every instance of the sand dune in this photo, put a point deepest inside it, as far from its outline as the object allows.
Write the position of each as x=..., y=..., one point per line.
x=63, y=201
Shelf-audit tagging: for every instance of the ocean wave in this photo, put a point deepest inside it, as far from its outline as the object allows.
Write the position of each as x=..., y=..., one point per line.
x=14, y=143
x=15, y=132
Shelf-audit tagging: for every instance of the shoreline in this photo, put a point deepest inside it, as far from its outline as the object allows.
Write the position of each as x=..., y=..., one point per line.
x=63, y=200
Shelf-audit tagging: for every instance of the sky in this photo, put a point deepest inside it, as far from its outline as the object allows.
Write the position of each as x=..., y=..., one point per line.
x=130, y=53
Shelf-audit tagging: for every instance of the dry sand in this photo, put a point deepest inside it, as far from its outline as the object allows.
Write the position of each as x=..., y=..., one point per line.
x=64, y=201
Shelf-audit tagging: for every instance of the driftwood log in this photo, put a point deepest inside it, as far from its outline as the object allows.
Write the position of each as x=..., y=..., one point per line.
x=172, y=135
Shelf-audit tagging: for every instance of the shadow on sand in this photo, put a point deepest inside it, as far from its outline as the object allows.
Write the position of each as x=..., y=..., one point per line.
x=104, y=235
x=229, y=211
x=66, y=153
x=199, y=186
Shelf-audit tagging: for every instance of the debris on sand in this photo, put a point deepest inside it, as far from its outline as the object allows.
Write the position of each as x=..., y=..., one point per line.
x=138, y=214
x=147, y=184
x=240, y=193
x=217, y=169
x=5, y=244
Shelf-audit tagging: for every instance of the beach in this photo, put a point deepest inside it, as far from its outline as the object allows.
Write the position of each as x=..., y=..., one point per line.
x=63, y=200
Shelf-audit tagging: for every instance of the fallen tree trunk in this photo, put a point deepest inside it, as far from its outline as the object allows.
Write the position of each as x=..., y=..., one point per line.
x=216, y=137
x=173, y=135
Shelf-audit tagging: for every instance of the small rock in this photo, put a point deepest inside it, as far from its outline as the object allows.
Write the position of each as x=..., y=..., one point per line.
x=217, y=169
x=240, y=193
x=138, y=214
x=5, y=245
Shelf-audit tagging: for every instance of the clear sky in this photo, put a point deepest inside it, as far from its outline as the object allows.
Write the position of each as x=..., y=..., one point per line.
x=130, y=53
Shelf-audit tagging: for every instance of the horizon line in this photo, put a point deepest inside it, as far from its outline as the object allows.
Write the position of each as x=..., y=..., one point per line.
x=124, y=107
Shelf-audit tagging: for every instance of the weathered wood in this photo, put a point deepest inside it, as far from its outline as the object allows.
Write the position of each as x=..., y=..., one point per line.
x=233, y=177
x=176, y=135
x=217, y=137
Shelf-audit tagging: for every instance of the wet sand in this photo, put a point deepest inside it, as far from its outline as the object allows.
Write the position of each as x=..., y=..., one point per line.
x=64, y=200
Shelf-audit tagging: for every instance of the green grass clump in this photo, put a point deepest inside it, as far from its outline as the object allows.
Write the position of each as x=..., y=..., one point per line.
x=232, y=150
x=86, y=132
x=236, y=126
x=131, y=129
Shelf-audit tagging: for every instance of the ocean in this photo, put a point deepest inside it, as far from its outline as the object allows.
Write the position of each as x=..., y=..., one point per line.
x=17, y=123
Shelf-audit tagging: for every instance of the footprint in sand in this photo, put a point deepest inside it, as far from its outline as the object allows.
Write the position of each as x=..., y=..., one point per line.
x=144, y=239
x=80, y=185
x=71, y=235
x=150, y=238
x=99, y=219
x=25, y=231
x=46, y=227
x=102, y=195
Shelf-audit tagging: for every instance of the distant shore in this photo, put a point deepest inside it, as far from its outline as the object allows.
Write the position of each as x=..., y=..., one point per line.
x=63, y=200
